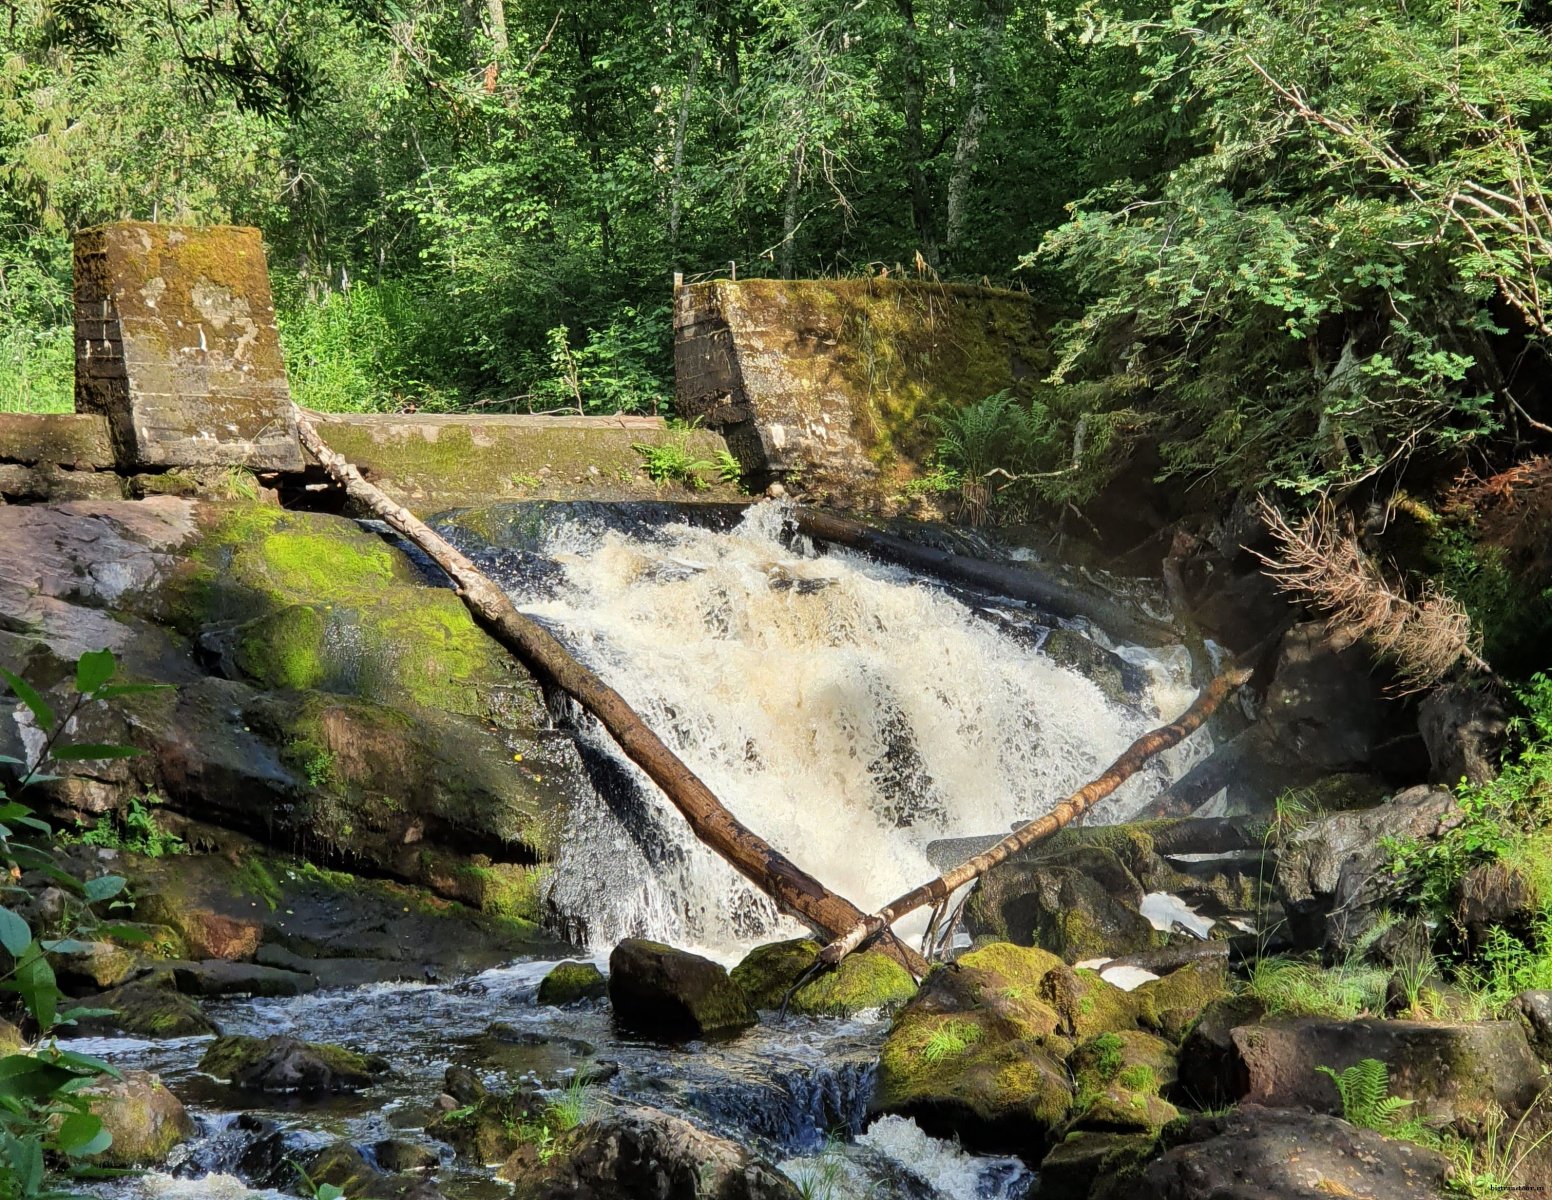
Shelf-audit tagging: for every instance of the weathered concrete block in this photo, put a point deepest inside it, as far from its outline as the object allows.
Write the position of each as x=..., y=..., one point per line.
x=78, y=440
x=176, y=345
x=835, y=379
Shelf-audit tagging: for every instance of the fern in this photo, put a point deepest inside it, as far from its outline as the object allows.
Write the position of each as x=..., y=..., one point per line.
x=983, y=436
x=1364, y=1089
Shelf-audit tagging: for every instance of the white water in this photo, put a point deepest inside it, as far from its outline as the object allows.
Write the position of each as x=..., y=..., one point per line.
x=847, y=712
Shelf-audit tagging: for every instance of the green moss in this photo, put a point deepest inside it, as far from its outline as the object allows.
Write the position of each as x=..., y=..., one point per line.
x=1119, y=1078
x=505, y=889
x=768, y=972
x=284, y=649
x=1088, y=1005
x=862, y=982
x=253, y=878
x=229, y=1057
x=569, y=982
x=1171, y=1004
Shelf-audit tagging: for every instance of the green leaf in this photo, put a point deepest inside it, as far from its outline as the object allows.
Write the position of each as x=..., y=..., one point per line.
x=104, y=887
x=93, y=669
x=15, y=934
x=87, y=1062
x=82, y=1134
x=25, y=1156
x=89, y=752
x=65, y=946
x=29, y=696
x=31, y=1078
x=35, y=981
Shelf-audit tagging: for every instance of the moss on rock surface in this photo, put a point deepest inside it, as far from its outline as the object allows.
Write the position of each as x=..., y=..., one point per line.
x=978, y=1053
x=148, y=1010
x=569, y=982
x=1172, y=1004
x=863, y=982
x=284, y=1064
x=146, y=1120
x=662, y=992
x=1120, y=1078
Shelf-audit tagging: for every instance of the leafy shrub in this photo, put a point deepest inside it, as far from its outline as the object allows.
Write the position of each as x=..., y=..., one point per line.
x=672, y=461
x=621, y=367
x=136, y=831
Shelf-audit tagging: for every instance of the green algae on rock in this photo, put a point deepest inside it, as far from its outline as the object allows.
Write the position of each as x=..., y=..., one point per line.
x=285, y=1064
x=569, y=982
x=862, y=982
x=147, y=1121
x=1120, y=1079
x=672, y=994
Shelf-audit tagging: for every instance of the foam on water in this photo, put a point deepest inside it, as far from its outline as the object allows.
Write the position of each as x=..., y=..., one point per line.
x=846, y=711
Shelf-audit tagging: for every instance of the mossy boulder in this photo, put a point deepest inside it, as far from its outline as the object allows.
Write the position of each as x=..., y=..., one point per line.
x=285, y=1064
x=977, y=1053
x=1088, y=1164
x=345, y=1167
x=151, y=1009
x=864, y=981
x=1087, y=1005
x=1082, y=905
x=488, y=1127
x=672, y=994
x=146, y=1120
x=569, y=982
x=1172, y=1004
x=1120, y=1078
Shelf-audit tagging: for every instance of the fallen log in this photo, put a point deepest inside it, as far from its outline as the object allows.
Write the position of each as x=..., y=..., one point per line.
x=939, y=890
x=794, y=890
x=1017, y=583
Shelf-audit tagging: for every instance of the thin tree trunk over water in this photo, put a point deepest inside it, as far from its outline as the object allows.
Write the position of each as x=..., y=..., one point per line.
x=794, y=890
x=1138, y=753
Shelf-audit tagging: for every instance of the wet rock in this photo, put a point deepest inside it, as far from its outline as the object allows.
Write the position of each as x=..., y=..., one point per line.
x=1211, y=1074
x=220, y=977
x=148, y=1010
x=398, y=1155
x=96, y=965
x=146, y=1120
x=673, y=994
x=206, y=934
x=569, y=982
x=1258, y=1152
x=1122, y=683
x=1086, y=1164
x=1534, y=1012
x=977, y=1053
x=345, y=1167
x=631, y=1153
x=488, y=1127
x=1085, y=906
x=1120, y=1078
x=1450, y=1071
x=1331, y=873
x=1463, y=729
x=285, y=1064
x=864, y=981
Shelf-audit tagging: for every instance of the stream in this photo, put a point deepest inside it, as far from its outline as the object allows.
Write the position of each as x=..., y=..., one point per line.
x=850, y=712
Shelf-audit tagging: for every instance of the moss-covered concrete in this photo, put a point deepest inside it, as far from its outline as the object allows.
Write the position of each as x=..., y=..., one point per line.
x=862, y=982
x=434, y=463
x=838, y=379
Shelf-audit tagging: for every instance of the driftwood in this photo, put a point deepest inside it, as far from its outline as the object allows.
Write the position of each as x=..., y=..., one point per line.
x=938, y=891
x=1017, y=583
x=794, y=890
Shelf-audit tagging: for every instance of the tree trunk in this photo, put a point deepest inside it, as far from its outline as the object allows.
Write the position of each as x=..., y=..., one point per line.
x=914, y=79
x=789, y=216
x=1139, y=752
x=681, y=135
x=794, y=891
x=967, y=146
x=1018, y=583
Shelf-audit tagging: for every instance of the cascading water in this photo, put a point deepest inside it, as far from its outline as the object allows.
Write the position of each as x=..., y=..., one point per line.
x=848, y=712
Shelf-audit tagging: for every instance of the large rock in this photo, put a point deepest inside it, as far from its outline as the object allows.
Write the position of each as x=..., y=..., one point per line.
x=146, y=1120
x=326, y=696
x=1331, y=874
x=1450, y=1071
x=862, y=982
x=977, y=1052
x=286, y=1064
x=1463, y=728
x=1120, y=1078
x=1257, y=1153
x=1079, y=904
x=569, y=982
x=639, y=1153
x=673, y=994
x=1086, y=1164
x=150, y=1010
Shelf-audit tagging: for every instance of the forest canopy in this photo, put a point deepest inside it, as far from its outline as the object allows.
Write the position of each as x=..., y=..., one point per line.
x=1299, y=244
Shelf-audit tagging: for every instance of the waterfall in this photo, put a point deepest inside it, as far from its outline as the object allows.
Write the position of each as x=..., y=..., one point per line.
x=849, y=712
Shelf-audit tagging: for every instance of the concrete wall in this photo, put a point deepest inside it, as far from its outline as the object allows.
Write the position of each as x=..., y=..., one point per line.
x=837, y=380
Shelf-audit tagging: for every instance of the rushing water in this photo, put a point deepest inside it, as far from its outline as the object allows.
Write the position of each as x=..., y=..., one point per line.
x=847, y=711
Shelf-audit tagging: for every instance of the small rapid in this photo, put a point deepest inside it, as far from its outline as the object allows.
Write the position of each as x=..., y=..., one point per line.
x=849, y=712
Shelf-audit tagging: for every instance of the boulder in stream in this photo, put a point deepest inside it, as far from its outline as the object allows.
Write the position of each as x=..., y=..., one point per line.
x=146, y=1120
x=862, y=982
x=149, y=1009
x=286, y=1064
x=1256, y=1152
x=632, y=1153
x=672, y=994
x=569, y=982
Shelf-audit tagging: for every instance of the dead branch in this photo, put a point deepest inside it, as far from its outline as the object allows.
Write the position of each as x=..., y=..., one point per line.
x=1139, y=752
x=1424, y=637
x=794, y=890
